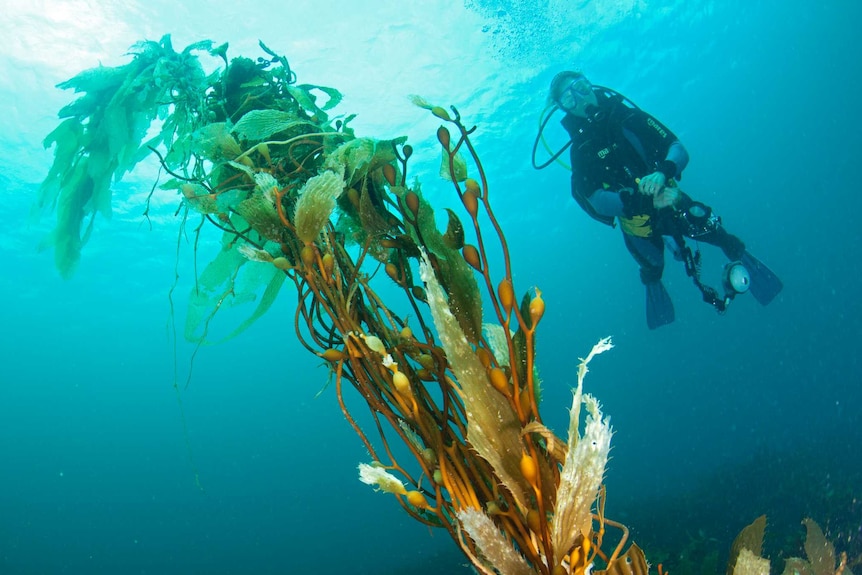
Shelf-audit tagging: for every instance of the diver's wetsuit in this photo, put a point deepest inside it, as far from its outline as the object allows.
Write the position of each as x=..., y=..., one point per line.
x=615, y=145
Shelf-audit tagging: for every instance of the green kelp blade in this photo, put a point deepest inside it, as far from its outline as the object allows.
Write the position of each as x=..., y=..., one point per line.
x=213, y=285
x=96, y=84
x=456, y=276
x=261, y=214
x=67, y=136
x=465, y=300
x=230, y=282
x=519, y=341
x=308, y=101
x=258, y=125
x=362, y=156
x=334, y=96
x=103, y=130
x=268, y=297
x=66, y=237
x=215, y=143
x=453, y=165
x=373, y=222
x=454, y=236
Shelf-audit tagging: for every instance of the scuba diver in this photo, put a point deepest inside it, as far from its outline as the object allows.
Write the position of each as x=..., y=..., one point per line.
x=625, y=167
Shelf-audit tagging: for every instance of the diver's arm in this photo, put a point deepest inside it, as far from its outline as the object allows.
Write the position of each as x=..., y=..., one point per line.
x=675, y=161
x=604, y=202
x=671, y=167
x=659, y=147
x=607, y=203
x=589, y=191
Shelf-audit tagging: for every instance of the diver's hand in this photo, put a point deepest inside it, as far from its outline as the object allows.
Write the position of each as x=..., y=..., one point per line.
x=668, y=197
x=652, y=184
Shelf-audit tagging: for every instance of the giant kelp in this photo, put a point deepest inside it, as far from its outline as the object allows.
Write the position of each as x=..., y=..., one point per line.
x=300, y=199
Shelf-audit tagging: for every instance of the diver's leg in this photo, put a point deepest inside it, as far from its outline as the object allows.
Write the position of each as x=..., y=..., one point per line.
x=649, y=254
x=698, y=222
x=732, y=246
x=765, y=285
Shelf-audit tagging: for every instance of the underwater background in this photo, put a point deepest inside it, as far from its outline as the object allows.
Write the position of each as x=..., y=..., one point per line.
x=106, y=468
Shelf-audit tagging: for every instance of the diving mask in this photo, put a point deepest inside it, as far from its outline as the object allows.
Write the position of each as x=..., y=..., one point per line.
x=575, y=93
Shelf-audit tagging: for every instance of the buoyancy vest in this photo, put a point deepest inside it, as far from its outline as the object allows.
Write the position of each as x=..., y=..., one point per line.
x=616, y=144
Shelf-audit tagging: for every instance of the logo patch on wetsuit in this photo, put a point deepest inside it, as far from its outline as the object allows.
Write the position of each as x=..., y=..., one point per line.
x=652, y=124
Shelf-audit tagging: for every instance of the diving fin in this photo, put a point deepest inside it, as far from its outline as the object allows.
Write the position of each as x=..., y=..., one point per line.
x=659, y=307
x=765, y=285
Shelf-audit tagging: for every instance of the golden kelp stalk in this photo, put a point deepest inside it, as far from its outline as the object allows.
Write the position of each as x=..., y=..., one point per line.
x=252, y=153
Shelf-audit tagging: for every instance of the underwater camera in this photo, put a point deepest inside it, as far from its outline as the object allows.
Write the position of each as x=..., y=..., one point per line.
x=699, y=220
x=735, y=280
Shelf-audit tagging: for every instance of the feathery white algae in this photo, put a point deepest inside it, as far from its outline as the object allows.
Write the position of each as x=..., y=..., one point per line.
x=584, y=469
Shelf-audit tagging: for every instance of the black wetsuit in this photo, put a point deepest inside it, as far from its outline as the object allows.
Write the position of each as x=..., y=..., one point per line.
x=612, y=148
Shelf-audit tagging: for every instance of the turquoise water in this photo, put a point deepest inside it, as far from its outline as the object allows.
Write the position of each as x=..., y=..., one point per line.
x=718, y=418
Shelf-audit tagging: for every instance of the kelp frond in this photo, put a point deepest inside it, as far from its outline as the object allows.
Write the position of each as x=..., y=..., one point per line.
x=316, y=202
x=492, y=425
x=495, y=549
x=101, y=138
